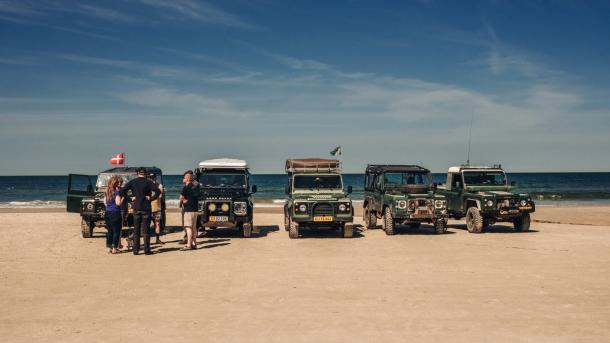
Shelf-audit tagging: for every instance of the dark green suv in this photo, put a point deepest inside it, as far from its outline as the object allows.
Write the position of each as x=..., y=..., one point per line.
x=83, y=198
x=316, y=198
x=402, y=194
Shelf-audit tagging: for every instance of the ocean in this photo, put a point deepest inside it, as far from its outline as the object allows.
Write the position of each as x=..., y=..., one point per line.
x=546, y=188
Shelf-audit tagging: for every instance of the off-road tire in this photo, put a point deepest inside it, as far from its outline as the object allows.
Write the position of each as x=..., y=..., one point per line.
x=286, y=222
x=348, y=230
x=414, y=225
x=293, y=232
x=440, y=226
x=474, y=220
x=522, y=224
x=246, y=230
x=388, y=222
x=370, y=220
x=86, y=229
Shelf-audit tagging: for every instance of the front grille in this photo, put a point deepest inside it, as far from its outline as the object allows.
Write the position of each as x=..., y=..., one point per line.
x=505, y=203
x=323, y=209
x=421, y=202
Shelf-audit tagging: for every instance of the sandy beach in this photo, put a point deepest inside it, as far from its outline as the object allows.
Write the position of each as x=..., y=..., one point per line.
x=547, y=285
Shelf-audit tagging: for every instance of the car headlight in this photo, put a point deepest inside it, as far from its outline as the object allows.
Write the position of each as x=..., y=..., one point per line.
x=439, y=203
x=302, y=208
x=90, y=206
x=225, y=207
x=342, y=207
x=401, y=204
x=211, y=207
x=523, y=202
x=489, y=203
x=412, y=205
x=240, y=208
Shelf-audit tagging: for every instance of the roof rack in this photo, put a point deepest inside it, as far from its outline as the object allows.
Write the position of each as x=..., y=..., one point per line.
x=380, y=168
x=313, y=165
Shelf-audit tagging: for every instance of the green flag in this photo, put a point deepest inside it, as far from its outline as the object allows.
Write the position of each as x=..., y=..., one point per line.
x=336, y=151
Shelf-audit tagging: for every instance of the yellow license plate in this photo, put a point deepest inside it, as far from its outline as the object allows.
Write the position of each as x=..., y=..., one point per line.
x=219, y=218
x=323, y=218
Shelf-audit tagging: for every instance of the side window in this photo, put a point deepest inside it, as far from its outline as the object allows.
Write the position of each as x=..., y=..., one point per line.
x=366, y=181
x=378, y=181
x=80, y=183
x=456, y=181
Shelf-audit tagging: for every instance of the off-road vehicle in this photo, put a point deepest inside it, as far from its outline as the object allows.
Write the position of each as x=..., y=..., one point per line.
x=226, y=197
x=483, y=195
x=402, y=194
x=316, y=198
x=83, y=198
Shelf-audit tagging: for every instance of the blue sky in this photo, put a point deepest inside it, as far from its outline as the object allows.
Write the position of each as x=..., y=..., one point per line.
x=174, y=82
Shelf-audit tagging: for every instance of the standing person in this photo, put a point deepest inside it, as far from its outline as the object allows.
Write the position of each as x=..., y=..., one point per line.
x=156, y=208
x=144, y=191
x=113, y=217
x=189, y=198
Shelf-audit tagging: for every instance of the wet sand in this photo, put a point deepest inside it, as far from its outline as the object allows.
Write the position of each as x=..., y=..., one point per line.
x=548, y=285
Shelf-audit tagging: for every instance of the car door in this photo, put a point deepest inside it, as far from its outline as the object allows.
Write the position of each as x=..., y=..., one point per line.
x=454, y=198
x=79, y=187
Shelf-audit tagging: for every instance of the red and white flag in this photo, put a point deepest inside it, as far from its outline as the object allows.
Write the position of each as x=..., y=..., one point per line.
x=118, y=159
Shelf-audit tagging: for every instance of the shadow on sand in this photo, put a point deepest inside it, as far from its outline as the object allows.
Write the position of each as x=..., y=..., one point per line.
x=496, y=228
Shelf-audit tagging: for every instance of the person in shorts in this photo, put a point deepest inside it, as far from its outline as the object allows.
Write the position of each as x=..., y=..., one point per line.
x=156, y=213
x=189, y=198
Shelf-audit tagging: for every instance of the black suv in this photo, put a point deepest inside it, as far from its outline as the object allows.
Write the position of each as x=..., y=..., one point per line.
x=226, y=197
x=83, y=198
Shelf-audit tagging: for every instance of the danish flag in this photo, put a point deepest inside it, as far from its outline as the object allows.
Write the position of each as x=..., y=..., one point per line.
x=118, y=159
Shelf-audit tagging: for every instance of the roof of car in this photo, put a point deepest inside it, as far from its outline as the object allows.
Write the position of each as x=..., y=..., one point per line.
x=223, y=163
x=129, y=170
x=312, y=165
x=380, y=168
x=462, y=168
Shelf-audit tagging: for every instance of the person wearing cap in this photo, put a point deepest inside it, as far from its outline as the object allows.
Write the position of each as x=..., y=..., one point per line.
x=156, y=208
x=144, y=191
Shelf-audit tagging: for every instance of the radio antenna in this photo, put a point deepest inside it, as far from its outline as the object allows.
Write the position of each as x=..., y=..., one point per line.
x=470, y=137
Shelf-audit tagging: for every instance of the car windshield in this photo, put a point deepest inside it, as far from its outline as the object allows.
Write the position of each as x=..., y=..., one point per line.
x=396, y=179
x=222, y=180
x=102, y=179
x=317, y=182
x=483, y=178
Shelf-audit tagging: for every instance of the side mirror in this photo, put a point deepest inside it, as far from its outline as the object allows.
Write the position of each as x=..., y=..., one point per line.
x=197, y=174
x=89, y=189
x=287, y=189
x=254, y=189
x=434, y=186
x=349, y=189
x=513, y=184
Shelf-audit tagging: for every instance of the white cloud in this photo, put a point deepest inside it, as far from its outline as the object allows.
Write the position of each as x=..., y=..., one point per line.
x=196, y=10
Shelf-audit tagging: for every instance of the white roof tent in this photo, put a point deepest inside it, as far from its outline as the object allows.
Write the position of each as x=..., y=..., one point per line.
x=223, y=163
x=473, y=168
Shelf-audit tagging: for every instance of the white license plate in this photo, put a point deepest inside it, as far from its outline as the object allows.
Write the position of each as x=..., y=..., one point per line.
x=219, y=218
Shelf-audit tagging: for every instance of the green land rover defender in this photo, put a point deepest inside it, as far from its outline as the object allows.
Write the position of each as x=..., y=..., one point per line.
x=316, y=199
x=483, y=195
x=402, y=194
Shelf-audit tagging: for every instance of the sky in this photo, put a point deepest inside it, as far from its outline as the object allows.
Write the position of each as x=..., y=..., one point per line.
x=171, y=83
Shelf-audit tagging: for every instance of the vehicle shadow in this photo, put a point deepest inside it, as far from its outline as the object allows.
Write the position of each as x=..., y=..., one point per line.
x=258, y=232
x=330, y=234
x=496, y=228
x=423, y=229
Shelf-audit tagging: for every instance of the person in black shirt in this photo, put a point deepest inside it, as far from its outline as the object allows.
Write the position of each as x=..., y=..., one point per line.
x=189, y=198
x=144, y=191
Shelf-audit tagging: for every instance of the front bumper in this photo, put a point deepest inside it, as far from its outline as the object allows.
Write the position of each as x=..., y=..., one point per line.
x=509, y=213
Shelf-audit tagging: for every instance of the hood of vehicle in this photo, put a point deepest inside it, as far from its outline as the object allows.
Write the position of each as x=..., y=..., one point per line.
x=319, y=195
